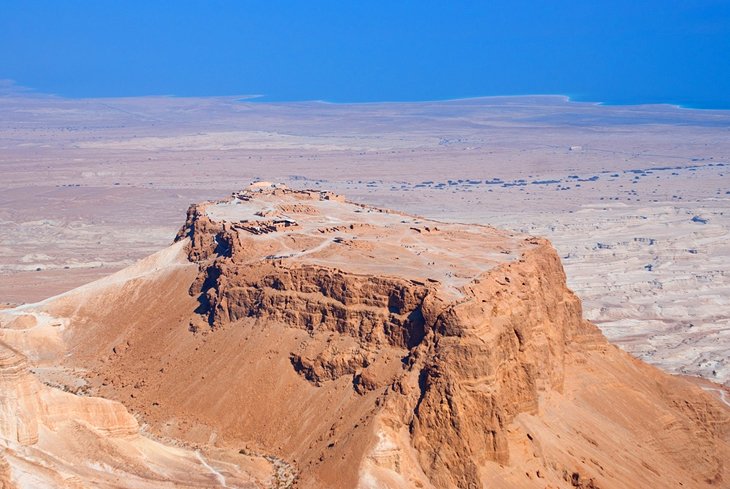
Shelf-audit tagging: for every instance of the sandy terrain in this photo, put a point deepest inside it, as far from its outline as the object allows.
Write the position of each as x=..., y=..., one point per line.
x=634, y=198
x=293, y=339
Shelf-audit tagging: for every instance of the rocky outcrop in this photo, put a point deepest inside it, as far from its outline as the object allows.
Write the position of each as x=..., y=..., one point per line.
x=471, y=362
x=27, y=405
x=373, y=309
x=490, y=356
x=357, y=347
x=315, y=298
x=19, y=397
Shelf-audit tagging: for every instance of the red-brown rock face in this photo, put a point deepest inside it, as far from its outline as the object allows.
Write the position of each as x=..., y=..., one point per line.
x=291, y=339
x=473, y=358
x=491, y=356
x=324, y=344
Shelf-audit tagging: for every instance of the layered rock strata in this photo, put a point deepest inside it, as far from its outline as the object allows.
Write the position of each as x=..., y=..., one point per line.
x=478, y=346
x=311, y=342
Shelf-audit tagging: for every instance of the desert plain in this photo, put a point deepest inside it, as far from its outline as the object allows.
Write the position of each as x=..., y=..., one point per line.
x=634, y=198
x=354, y=286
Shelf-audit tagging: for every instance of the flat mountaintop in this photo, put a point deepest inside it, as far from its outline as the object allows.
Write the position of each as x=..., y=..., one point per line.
x=313, y=227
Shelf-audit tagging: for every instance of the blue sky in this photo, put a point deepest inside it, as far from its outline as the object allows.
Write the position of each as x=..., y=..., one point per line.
x=613, y=51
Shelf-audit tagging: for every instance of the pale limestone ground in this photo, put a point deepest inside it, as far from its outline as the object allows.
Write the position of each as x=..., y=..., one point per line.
x=91, y=186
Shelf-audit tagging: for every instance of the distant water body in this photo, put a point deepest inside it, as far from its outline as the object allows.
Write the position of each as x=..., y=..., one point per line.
x=7, y=87
x=684, y=103
x=679, y=102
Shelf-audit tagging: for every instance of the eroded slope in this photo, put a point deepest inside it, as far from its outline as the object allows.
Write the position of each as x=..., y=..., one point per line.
x=354, y=346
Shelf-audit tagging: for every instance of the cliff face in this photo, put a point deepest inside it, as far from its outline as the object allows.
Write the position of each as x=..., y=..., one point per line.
x=29, y=406
x=480, y=359
x=358, y=347
x=491, y=356
x=472, y=360
x=315, y=298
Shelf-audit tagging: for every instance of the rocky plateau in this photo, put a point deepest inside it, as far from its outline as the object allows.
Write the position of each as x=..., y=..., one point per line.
x=291, y=338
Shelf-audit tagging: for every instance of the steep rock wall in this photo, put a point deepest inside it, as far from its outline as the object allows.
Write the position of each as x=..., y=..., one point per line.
x=490, y=357
x=471, y=364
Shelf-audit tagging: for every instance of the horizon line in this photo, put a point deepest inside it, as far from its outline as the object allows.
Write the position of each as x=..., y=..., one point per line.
x=15, y=90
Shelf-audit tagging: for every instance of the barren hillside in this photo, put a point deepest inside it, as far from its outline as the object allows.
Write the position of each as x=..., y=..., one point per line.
x=294, y=338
